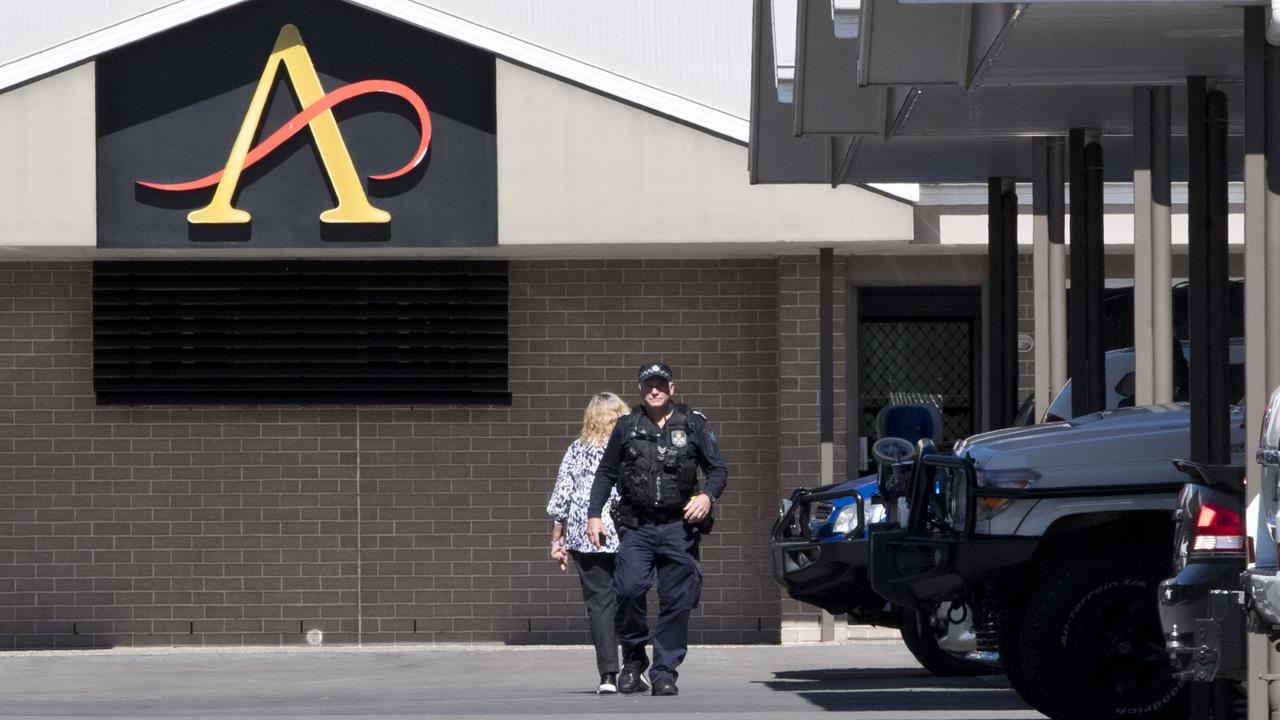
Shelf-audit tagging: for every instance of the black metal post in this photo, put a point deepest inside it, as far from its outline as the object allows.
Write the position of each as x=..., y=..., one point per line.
x=1084, y=325
x=1002, y=301
x=1096, y=276
x=1207, y=271
x=826, y=347
x=1197, y=244
x=1217, y=360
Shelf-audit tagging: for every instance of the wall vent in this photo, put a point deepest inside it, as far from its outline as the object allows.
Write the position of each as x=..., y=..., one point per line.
x=300, y=332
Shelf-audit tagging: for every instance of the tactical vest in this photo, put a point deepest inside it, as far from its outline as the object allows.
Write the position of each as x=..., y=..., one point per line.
x=654, y=483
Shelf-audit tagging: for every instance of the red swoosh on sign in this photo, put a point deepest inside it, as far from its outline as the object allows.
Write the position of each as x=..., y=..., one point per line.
x=299, y=121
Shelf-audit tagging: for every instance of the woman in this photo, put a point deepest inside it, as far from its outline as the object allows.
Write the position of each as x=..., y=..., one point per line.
x=568, y=510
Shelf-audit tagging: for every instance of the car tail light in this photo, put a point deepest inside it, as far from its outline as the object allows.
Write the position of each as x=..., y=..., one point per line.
x=1218, y=530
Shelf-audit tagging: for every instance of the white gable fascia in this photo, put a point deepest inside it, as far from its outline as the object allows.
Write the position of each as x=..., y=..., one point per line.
x=92, y=44
x=549, y=61
x=413, y=12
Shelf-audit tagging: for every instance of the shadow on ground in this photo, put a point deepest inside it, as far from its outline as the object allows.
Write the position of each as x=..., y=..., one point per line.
x=885, y=689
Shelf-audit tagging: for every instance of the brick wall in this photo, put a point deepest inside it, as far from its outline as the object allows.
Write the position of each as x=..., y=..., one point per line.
x=799, y=403
x=253, y=525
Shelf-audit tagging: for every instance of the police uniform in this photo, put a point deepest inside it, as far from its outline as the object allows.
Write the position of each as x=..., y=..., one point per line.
x=655, y=471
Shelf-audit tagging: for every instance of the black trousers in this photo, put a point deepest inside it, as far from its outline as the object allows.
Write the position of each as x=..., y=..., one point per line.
x=595, y=572
x=670, y=549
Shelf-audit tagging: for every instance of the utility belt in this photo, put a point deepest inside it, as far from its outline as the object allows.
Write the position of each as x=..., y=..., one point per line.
x=657, y=516
x=635, y=517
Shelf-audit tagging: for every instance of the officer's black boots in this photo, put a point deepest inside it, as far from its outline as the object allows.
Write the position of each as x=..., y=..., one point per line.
x=665, y=686
x=632, y=679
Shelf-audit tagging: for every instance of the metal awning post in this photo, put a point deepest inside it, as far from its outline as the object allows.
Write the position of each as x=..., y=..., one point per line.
x=826, y=393
x=1048, y=260
x=1207, y=272
x=1085, y=360
x=1262, y=294
x=1152, y=247
x=1002, y=302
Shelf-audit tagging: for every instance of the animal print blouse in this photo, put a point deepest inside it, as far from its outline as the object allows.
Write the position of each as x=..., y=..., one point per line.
x=572, y=494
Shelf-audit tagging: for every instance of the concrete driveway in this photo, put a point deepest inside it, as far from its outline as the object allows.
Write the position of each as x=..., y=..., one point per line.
x=866, y=680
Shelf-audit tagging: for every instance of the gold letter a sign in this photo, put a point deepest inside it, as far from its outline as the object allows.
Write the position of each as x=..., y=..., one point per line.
x=317, y=114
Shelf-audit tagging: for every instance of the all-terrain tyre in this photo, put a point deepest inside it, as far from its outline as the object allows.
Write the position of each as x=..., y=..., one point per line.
x=1011, y=658
x=922, y=640
x=1091, y=645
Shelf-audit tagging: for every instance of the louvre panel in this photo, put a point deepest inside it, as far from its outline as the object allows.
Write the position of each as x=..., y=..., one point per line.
x=388, y=332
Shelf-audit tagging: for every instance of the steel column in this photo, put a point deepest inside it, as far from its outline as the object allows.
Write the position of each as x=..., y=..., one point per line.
x=826, y=394
x=1002, y=302
x=1207, y=271
x=1057, y=209
x=1085, y=361
x=1262, y=298
x=1047, y=260
x=1152, y=274
x=826, y=347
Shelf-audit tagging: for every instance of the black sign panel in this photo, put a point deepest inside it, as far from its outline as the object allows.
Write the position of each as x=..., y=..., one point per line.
x=171, y=109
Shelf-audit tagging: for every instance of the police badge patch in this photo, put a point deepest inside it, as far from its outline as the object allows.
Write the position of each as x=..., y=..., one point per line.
x=679, y=439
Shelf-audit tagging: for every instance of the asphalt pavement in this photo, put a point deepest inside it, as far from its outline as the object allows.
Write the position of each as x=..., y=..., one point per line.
x=859, y=680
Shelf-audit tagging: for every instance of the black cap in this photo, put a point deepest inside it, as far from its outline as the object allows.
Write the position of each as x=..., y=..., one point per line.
x=657, y=369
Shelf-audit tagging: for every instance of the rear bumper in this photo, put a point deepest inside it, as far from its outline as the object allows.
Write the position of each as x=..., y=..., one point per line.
x=915, y=570
x=1202, y=614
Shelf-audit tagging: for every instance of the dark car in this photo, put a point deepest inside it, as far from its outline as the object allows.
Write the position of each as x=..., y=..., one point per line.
x=1202, y=606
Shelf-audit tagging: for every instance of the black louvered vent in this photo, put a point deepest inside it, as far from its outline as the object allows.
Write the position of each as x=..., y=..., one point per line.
x=392, y=332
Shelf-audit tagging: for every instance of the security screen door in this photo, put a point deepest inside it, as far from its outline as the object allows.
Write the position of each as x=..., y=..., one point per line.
x=916, y=345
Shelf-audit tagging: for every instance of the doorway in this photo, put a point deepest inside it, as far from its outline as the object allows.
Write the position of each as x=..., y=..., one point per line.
x=914, y=344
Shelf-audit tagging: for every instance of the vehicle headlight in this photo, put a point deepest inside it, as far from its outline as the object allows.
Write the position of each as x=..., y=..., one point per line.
x=1015, y=479
x=846, y=520
x=873, y=513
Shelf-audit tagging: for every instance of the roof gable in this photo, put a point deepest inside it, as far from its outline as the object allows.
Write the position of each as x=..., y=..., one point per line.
x=100, y=27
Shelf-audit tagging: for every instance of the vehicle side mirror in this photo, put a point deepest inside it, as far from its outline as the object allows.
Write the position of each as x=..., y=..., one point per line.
x=893, y=450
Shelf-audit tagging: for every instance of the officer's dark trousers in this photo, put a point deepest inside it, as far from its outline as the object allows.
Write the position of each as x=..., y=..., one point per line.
x=595, y=572
x=670, y=548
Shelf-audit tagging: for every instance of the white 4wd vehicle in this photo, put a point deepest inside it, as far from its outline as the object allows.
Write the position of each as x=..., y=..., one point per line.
x=1262, y=580
x=1054, y=538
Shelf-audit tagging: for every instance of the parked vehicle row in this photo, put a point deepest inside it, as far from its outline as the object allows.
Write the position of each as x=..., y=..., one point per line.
x=1083, y=558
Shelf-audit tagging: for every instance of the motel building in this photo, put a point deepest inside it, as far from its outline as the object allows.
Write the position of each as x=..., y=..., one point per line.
x=301, y=303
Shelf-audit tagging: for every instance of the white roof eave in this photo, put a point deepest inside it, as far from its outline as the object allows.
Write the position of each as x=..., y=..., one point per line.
x=544, y=59
x=92, y=44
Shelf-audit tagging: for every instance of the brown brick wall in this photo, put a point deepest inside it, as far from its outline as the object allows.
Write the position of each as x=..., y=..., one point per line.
x=251, y=525
x=799, y=409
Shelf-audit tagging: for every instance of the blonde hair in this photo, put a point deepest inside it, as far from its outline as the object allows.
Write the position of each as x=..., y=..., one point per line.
x=601, y=415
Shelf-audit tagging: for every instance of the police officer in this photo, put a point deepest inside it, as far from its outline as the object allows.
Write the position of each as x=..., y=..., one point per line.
x=653, y=458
